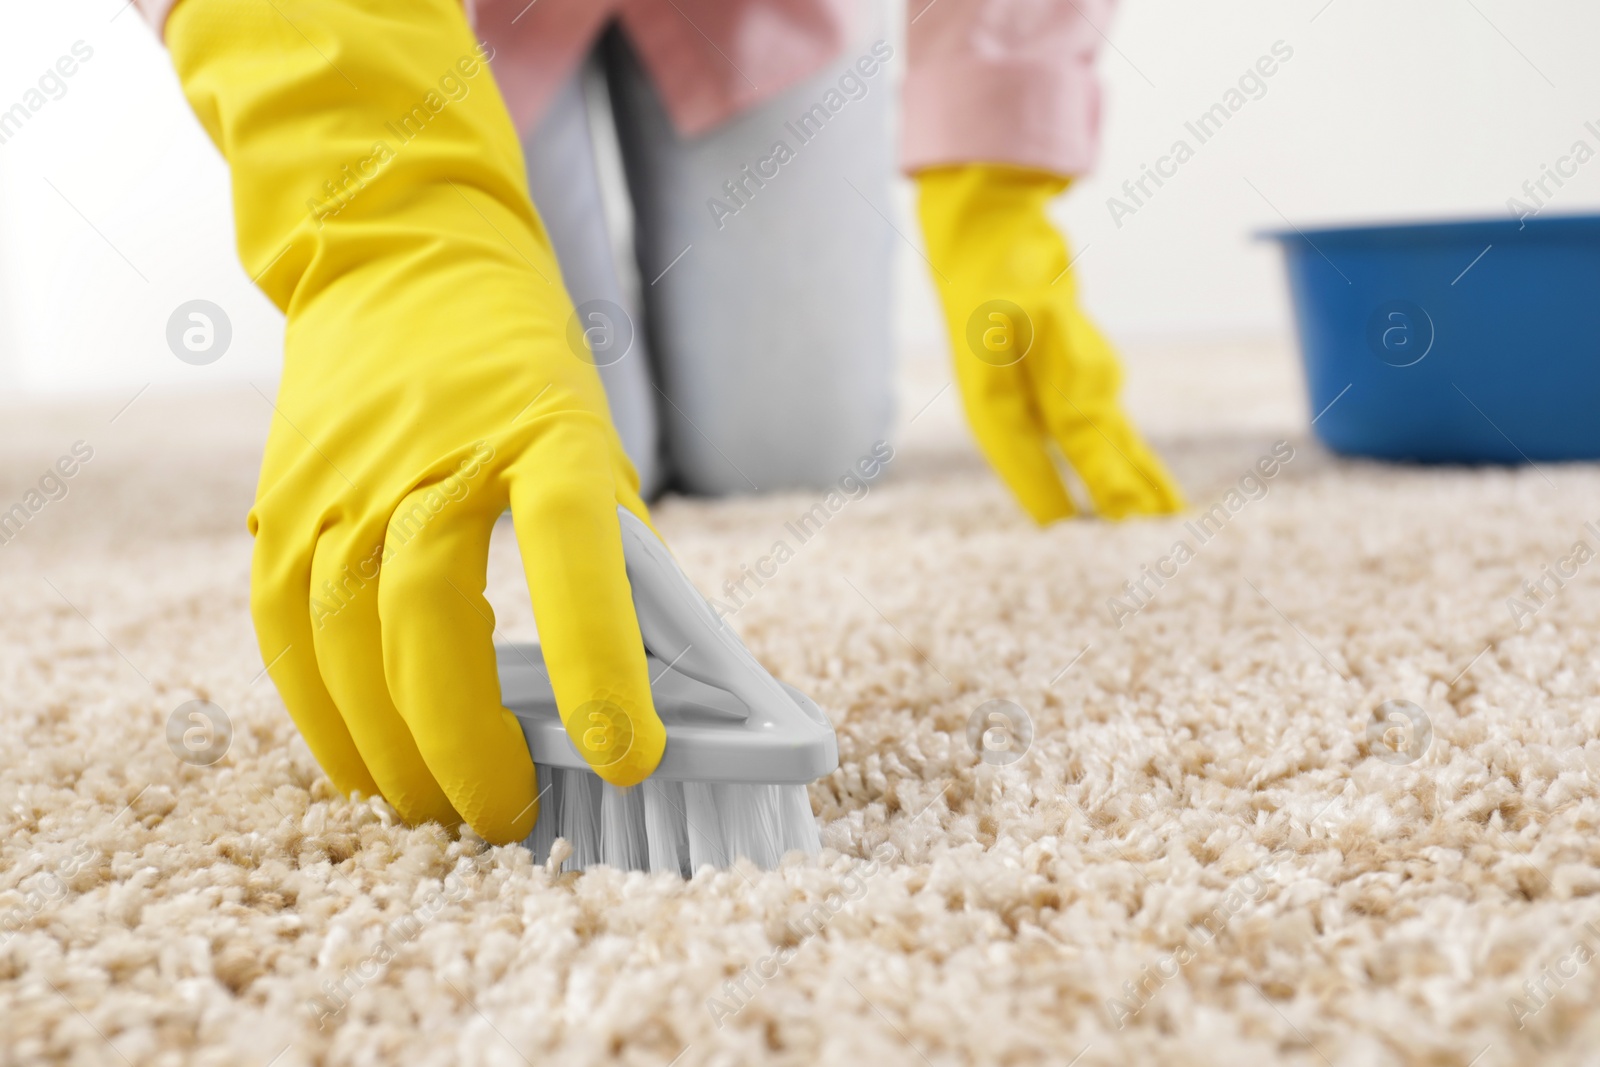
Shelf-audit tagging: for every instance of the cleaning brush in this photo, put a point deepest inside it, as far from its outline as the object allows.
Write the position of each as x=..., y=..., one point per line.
x=741, y=745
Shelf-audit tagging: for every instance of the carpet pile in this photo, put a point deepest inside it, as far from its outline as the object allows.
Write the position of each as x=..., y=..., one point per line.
x=1315, y=793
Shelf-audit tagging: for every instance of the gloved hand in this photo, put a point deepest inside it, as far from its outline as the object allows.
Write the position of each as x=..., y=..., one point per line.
x=1033, y=371
x=380, y=199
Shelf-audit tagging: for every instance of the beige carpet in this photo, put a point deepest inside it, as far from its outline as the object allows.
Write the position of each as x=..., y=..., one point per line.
x=1200, y=859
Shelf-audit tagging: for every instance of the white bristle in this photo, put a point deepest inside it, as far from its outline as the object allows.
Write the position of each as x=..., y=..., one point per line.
x=622, y=829
x=666, y=831
x=750, y=823
x=580, y=817
x=670, y=826
x=799, y=826
x=546, y=828
x=706, y=842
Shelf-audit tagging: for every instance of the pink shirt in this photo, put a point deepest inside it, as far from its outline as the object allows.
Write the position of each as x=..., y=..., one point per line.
x=997, y=81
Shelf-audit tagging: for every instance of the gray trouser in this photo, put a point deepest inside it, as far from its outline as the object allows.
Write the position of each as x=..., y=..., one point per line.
x=753, y=350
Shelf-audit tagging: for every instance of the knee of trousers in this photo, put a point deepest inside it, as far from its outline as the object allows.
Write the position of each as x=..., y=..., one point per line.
x=793, y=415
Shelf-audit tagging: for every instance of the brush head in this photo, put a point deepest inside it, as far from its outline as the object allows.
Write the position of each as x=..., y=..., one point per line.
x=741, y=745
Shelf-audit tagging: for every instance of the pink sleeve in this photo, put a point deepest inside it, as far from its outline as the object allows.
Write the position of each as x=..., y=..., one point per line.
x=1003, y=81
x=155, y=13
x=705, y=56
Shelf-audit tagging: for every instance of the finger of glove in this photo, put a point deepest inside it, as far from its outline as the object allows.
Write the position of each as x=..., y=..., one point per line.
x=1122, y=474
x=564, y=504
x=966, y=230
x=439, y=659
x=346, y=572
x=280, y=581
x=1011, y=434
x=1077, y=377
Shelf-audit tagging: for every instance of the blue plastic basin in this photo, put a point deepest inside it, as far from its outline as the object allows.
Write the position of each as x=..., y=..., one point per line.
x=1453, y=342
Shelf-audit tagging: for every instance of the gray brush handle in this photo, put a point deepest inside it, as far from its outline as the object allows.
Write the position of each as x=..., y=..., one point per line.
x=679, y=627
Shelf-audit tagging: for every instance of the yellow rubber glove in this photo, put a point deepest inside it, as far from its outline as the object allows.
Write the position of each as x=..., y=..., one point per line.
x=429, y=382
x=1032, y=369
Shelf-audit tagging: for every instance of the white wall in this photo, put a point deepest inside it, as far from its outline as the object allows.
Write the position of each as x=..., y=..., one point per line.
x=1386, y=110
x=122, y=146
